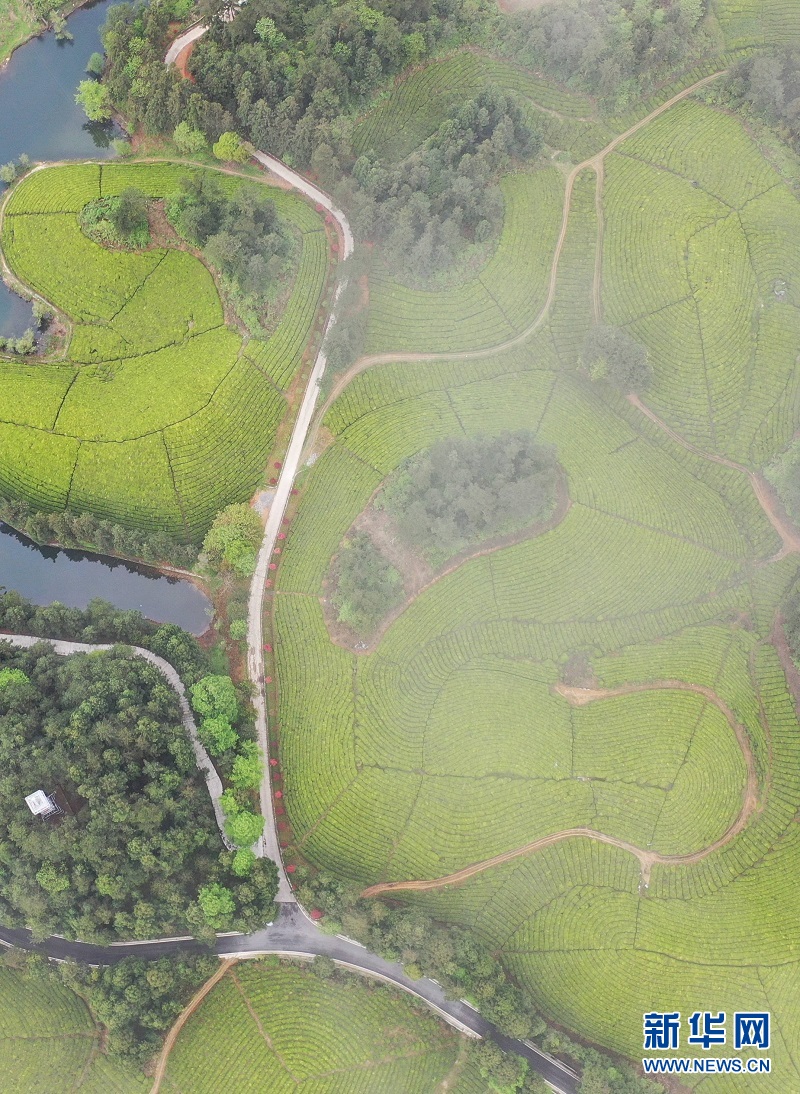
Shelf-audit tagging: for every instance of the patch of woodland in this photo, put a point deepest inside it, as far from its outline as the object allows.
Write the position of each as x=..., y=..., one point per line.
x=612, y=356
x=464, y=491
x=88, y=532
x=242, y=236
x=135, y=851
x=765, y=85
x=120, y=221
x=461, y=497
x=289, y=76
x=135, y=1000
x=440, y=205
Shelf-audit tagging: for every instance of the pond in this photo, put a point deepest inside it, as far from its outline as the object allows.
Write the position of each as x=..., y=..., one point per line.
x=39, y=116
x=46, y=574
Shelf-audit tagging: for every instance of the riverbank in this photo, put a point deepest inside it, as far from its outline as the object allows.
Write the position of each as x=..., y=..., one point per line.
x=34, y=25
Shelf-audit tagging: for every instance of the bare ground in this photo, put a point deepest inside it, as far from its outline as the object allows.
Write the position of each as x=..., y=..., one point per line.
x=416, y=572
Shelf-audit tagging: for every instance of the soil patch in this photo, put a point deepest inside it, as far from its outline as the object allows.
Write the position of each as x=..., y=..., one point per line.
x=417, y=574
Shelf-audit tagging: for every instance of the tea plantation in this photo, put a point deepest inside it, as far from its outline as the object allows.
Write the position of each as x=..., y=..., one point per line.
x=50, y=1042
x=455, y=741
x=135, y=423
x=267, y=1026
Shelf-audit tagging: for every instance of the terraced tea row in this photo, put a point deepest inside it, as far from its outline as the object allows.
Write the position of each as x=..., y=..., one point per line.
x=126, y=428
x=267, y=1026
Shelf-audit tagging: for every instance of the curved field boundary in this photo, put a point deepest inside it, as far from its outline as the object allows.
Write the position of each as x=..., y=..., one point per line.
x=183, y=1018
x=766, y=496
x=487, y=547
x=202, y=759
x=579, y=697
x=596, y=164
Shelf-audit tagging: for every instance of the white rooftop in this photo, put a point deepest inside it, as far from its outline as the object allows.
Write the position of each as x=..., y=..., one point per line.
x=38, y=803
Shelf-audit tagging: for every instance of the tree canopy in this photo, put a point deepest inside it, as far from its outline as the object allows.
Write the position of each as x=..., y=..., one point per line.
x=137, y=838
x=466, y=489
x=241, y=234
x=427, y=208
x=366, y=585
x=612, y=354
x=234, y=538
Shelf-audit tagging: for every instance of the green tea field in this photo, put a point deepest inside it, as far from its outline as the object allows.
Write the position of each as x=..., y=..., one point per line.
x=626, y=838
x=50, y=1042
x=127, y=425
x=267, y=1026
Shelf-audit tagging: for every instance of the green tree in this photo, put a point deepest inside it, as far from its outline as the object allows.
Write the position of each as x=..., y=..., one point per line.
x=247, y=769
x=189, y=141
x=130, y=213
x=218, y=735
x=51, y=879
x=612, y=354
x=218, y=904
x=244, y=827
x=94, y=65
x=10, y=677
x=503, y=1071
x=234, y=538
x=230, y=148
x=243, y=862
x=215, y=697
x=94, y=98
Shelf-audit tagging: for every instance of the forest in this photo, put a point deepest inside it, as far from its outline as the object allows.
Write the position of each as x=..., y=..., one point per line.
x=134, y=851
x=466, y=489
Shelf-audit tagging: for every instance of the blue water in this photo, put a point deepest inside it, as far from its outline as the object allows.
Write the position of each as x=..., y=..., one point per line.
x=46, y=574
x=38, y=112
x=15, y=313
x=39, y=116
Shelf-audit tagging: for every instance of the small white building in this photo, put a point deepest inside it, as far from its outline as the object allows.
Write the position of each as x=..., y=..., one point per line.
x=40, y=804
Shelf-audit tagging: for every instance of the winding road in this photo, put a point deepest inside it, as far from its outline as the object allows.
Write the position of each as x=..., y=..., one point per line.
x=203, y=760
x=293, y=933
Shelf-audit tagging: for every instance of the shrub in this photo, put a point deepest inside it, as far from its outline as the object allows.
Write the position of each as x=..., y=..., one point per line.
x=366, y=584
x=611, y=354
x=231, y=148
x=215, y=697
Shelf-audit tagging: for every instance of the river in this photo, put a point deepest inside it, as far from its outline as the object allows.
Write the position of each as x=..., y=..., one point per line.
x=39, y=116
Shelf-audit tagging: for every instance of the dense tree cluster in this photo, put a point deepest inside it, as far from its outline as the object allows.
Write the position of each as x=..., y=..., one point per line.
x=769, y=84
x=102, y=622
x=85, y=530
x=282, y=73
x=137, y=842
x=241, y=234
x=366, y=586
x=466, y=489
x=138, y=1000
x=609, y=47
x=455, y=957
x=427, y=208
x=613, y=355
x=119, y=220
x=234, y=538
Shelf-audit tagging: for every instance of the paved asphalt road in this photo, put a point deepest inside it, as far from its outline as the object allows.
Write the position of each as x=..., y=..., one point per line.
x=293, y=933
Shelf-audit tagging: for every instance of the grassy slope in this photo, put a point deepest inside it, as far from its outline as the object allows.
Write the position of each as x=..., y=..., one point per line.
x=268, y=1027
x=17, y=23
x=49, y=1042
